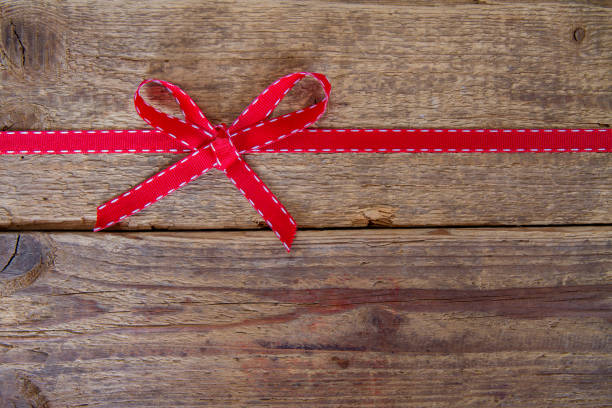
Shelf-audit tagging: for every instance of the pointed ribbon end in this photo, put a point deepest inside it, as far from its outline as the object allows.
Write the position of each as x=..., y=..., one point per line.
x=102, y=219
x=288, y=238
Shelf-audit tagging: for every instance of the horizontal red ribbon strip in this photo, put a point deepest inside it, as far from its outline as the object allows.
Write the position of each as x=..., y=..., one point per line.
x=322, y=141
x=222, y=146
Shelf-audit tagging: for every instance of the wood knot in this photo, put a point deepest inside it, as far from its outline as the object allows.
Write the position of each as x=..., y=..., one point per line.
x=306, y=92
x=23, y=257
x=379, y=330
x=579, y=34
x=18, y=390
x=342, y=362
x=384, y=323
x=33, y=38
x=22, y=116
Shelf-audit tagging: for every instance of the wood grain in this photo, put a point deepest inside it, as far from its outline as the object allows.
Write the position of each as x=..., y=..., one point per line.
x=442, y=64
x=444, y=317
x=385, y=317
x=338, y=190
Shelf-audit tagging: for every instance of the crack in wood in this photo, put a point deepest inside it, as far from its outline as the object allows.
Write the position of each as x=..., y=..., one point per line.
x=29, y=257
x=21, y=46
x=13, y=255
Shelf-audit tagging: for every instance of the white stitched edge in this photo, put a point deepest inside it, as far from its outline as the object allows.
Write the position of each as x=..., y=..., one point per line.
x=148, y=181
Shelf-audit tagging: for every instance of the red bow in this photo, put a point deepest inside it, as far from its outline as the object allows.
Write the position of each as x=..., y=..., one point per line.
x=220, y=147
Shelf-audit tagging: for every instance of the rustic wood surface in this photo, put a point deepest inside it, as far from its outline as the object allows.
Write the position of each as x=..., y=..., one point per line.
x=338, y=190
x=456, y=64
x=445, y=317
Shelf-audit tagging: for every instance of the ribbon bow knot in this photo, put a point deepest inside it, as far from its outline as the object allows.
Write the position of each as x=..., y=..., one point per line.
x=224, y=150
x=220, y=147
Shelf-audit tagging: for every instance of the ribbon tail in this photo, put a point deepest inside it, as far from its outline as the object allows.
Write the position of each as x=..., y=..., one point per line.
x=264, y=202
x=154, y=189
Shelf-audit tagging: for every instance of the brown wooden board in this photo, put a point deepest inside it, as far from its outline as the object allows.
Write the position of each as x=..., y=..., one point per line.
x=454, y=317
x=392, y=64
x=338, y=190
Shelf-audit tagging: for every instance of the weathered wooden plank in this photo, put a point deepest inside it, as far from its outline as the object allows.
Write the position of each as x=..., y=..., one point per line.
x=391, y=64
x=446, y=64
x=446, y=317
x=339, y=190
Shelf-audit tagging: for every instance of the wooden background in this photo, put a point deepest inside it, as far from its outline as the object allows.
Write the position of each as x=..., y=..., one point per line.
x=415, y=280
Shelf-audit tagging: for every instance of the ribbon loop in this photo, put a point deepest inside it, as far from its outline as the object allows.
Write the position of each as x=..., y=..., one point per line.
x=263, y=106
x=220, y=147
x=192, y=132
x=251, y=130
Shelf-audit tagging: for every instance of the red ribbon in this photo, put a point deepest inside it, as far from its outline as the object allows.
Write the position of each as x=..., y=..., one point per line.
x=219, y=147
x=222, y=146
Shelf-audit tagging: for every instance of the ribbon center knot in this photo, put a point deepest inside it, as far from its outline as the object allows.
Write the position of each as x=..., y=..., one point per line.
x=224, y=150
